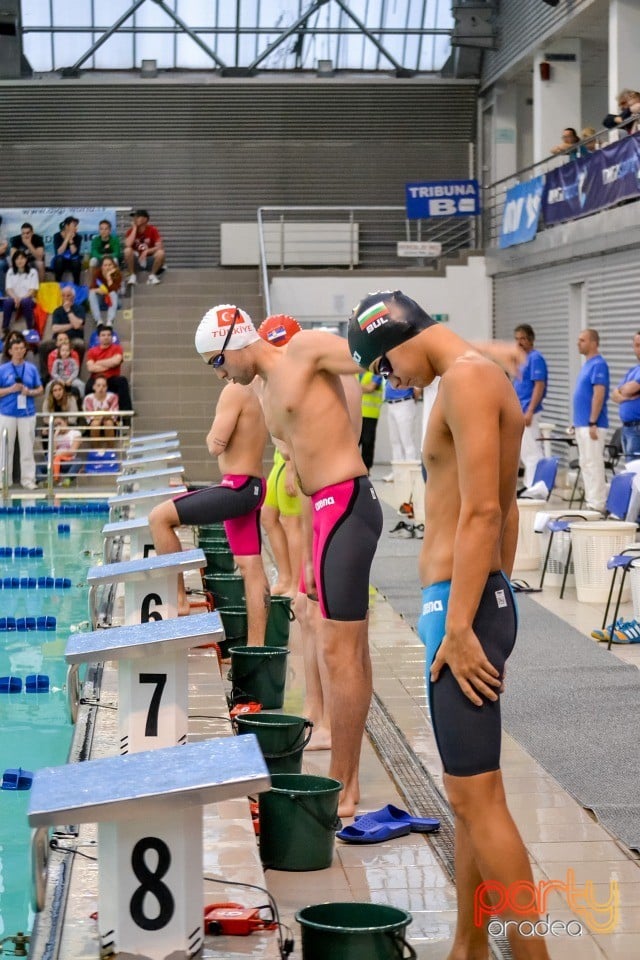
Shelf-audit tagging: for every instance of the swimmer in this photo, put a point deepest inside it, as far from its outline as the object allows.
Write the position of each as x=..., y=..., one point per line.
x=305, y=407
x=281, y=511
x=237, y=437
x=468, y=625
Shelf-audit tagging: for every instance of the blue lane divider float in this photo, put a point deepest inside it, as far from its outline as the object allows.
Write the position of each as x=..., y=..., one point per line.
x=34, y=683
x=31, y=583
x=9, y=624
x=22, y=552
x=10, y=685
x=16, y=779
x=64, y=528
x=12, y=511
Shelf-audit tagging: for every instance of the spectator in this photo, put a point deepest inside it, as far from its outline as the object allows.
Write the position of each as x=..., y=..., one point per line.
x=627, y=394
x=33, y=245
x=66, y=368
x=104, y=404
x=67, y=245
x=634, y=112
x=69, y=318
x=621, y=118
x=589, y=139
x=52, y=355
x=19, y=385
x=105, y=285
x=590, y=418
x=105, y=244
x=569, y=145
x=401, y=419
x=57, y=400
x=4, y=258
x=66, y=443
x=21, y=288
x=142, y=244
x=106, y=358
x=531, y=389
x=372, y=389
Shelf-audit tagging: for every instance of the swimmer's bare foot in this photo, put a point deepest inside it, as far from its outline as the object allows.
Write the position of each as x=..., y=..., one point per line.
x=347, y=806
x=320, y=739
x=281, y=590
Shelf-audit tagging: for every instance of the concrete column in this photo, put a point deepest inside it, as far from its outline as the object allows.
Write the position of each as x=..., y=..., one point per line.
x=505, y=138
x=624, y=40
x=557, y=101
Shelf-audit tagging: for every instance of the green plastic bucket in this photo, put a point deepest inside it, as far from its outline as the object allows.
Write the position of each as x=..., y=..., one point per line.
x=279, y=622
x=227, y=589
x=298, y=822
x=218, y=561
x=234, y=621
x=354, y=931
x=282, y=738
x=212, y=530
x=261, y=672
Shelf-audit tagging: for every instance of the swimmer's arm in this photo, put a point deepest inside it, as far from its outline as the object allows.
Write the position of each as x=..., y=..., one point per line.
x=225, y=422
x=505, y=353
x=510, y=539
x=323, y=351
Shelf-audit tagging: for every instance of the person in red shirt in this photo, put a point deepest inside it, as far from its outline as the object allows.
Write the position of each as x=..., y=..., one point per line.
x=106, y=359
x=143, y=247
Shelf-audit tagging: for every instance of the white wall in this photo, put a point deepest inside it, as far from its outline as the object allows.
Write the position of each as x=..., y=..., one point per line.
x=465, y=293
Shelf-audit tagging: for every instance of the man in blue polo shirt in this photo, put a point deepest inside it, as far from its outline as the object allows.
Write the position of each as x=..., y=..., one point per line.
x=627, y=394
x=531, y=389
x=590, y=418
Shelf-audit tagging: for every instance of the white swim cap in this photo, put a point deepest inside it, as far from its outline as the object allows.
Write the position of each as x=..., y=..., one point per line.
x=215, y=325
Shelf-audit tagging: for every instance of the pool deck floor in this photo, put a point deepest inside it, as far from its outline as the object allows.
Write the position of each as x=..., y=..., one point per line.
x=405, y=872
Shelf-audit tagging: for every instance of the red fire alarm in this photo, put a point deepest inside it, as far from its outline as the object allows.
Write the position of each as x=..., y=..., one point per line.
x=545, y=70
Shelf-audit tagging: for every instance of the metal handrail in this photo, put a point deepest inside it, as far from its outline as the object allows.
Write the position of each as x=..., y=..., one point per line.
x=4, y=462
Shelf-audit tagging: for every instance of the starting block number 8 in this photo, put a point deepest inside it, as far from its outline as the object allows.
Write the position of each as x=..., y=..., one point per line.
x=151, y=885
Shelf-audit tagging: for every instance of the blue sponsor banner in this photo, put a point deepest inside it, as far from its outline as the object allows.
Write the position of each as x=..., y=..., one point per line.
x=442, y=198
x=521, y=212
x=46, y=222
x=592, y=183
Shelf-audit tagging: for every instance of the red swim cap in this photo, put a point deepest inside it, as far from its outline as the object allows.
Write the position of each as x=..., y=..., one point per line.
x=278, y=329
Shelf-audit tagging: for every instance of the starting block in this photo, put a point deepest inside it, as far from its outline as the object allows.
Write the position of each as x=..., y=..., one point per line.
x=144, y=439
x=146, y=479
x=152, y=675
x=142, y=501
x=152, y=459
x=160, y=446
x=148, y=807
x=138, y=532
x=150, y=585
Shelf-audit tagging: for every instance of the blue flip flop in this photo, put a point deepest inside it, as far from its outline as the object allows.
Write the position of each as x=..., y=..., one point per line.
x=368, y=830
x=394, y=815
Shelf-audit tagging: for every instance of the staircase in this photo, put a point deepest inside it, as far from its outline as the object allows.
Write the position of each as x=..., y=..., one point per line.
x=172, y=388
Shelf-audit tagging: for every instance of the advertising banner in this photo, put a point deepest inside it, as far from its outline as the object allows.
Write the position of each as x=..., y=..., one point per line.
x=46, y=222
x=442, y=198
x=521, y=212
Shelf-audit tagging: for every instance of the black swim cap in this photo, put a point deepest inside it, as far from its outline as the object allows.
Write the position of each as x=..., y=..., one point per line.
x=372, y=331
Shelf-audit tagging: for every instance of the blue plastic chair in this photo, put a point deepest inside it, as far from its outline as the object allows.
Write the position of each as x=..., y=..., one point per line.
x=546, y=472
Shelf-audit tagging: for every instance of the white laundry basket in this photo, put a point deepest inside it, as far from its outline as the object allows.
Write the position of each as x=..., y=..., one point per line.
x=528, y=550
x=593, y=544
x=403, y=484
x=560, y=546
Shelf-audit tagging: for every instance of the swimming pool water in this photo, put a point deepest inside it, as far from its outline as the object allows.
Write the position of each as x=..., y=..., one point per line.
x=35, y=730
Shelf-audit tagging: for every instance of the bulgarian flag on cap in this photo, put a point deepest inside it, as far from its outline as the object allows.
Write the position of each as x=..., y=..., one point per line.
x=371, y=314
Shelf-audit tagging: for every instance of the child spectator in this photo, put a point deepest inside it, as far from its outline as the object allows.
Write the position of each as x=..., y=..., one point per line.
x=67, y=369
x=21, y=287
x=589, y=140
x=105, y=285
x=67, y=245
x=66, y=443
x=103, y=404
x=105, y=244
x=57, y=400
x=33, y=245
x=143, y=243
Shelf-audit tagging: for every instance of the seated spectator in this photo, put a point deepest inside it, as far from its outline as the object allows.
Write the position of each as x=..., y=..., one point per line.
x=589, y=140
x=621, y=118
x=105, y=244
x=103, y=405
x=106, y=359
x=143, y=248
x=48, y=357
x=104, y=287
x=33, y=245
x=569, y=144
x=67, y=369
x=67, y=245
x=57, y=399
x=4, y=258
x=69, y=318
x=66, y=444
x=21, y=288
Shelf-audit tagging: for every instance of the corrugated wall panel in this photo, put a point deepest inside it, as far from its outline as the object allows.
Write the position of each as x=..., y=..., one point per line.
x=522, y=24
x=542, y=298
x=196, y=155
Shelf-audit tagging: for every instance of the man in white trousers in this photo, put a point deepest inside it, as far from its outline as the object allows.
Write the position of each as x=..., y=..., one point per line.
x=590, y=419
x=531, y=388
x=401, y=417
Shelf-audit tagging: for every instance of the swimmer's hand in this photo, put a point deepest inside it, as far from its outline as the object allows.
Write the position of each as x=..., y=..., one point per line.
x=290, y=483
x=466, y=659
